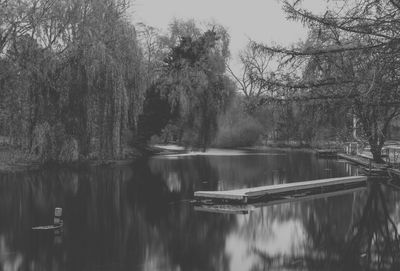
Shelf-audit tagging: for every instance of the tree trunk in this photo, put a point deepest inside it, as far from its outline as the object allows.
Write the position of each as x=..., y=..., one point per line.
x=376, y=150
x=374, y=129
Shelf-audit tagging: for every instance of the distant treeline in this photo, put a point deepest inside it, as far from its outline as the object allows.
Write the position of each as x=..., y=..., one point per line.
x=79, y=81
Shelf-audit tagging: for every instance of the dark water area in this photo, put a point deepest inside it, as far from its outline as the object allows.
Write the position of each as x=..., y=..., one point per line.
x=140, y=217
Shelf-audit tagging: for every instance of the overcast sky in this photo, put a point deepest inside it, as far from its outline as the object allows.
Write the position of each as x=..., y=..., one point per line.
x=259, y=20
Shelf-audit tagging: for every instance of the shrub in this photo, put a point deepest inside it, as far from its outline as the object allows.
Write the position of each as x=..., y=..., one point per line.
x=50, y=143
x=69, y=151
x=237, y=129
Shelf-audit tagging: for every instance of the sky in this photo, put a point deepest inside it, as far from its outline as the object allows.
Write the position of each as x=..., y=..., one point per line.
x=259, y=20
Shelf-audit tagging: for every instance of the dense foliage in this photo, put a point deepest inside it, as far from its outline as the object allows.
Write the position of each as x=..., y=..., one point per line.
x=237, y=128
x=70, y=79
x=75, y=77
x=194, y=81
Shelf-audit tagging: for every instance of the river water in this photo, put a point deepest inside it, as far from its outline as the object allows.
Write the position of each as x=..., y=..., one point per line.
x=140, y=217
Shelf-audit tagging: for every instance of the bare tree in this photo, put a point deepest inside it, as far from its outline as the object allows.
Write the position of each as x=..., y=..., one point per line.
x=254, y=64
x=154, y=50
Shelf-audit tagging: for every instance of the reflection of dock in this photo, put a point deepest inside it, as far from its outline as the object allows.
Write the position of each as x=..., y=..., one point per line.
x=327, y=153
x=246, y=208
x=257, y=193
x=225, y=208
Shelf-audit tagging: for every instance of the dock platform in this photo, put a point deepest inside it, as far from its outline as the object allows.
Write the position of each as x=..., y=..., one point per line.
x=362, y=161
x=394, y=173
x=252, y=194
x=247, y=208
x=370, y=168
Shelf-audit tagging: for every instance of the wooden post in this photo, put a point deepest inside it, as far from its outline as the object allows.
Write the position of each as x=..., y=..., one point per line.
x=370, y=166
x=57, y=216
x=354, y=127
x=388, y=156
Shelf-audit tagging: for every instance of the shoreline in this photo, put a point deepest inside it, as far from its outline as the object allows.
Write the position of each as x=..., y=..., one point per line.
x=14, y=161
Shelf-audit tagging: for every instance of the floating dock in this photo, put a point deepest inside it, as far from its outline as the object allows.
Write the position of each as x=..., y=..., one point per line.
x=252, y=194
x=247, y=208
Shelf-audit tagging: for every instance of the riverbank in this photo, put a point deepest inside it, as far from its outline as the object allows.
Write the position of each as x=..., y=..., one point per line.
x=282, y=148
x=12, y=159
x=363, y=159
x=16, y=160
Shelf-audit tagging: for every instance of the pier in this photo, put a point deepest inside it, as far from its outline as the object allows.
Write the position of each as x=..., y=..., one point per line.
x=256, y=193
x=369, y=167
x=247, y=208
x=362, y=161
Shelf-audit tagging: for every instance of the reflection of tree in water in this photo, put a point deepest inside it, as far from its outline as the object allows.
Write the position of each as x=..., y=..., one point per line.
x=316, y=229
x=229, y=172
x=190, y=173
x=189, y=240
x=363, y=237
x=27, y=199
x=374, y=236
x=115, y=218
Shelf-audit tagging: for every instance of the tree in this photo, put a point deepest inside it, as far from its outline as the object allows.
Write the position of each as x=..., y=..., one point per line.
x=154, y=47
x=352, y=55
x=254, y=64
x=194, y=80
x=76, y=76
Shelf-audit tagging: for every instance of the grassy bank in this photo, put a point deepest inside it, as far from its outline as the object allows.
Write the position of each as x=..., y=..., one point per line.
x=299, y=145
x=14, y=160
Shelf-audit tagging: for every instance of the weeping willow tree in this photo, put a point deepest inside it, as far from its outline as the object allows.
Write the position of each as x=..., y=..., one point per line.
x=195, y=82
x=108, y=97
x=76, y=72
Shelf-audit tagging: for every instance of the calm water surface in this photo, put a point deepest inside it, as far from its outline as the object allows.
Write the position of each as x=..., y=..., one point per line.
x=139, y=217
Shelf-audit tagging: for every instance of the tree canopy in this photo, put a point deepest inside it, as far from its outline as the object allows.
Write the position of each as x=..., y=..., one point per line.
x=351, y=55
x=194, y=80
x=71, y=80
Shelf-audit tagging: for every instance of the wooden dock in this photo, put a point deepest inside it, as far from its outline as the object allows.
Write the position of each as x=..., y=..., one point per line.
x=354, y=159
x=363, y=161
x=370, y=168
x=394, y=173
x=254, y=193
x=246, y=208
